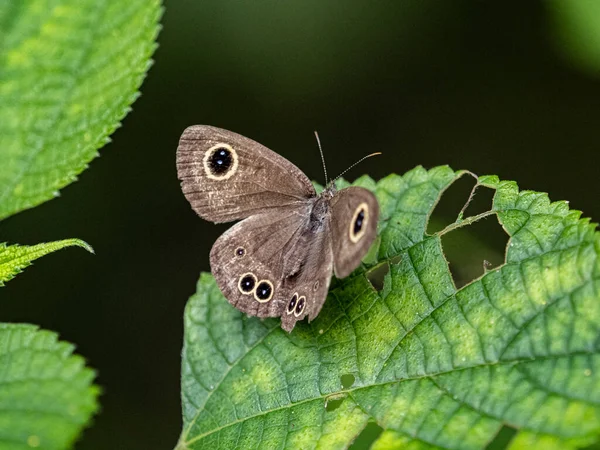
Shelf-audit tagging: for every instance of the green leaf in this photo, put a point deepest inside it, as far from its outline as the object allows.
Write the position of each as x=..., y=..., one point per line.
x=46, y=393
x=14, y=258
x=69, y=71
x=577, y=32
x=433, y=366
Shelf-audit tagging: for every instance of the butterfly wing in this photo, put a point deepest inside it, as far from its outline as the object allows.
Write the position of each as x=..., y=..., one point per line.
x=226, y=176
x=309, y=268
x=354, y=214
x=273, y=265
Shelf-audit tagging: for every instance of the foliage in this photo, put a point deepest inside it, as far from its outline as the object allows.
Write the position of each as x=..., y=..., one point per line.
x=432, y=365
x=69, y=71
x=14, y=258
x=46, y=393
x=577, y=32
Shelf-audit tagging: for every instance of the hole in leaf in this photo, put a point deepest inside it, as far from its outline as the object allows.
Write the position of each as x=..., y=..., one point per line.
x=367, y=436
x=396, y=259
x=347, y=380
x=376, y=275
x=452, y=201
x=502, y=438
x=333, y=404
x=481, y=202
x=474, y=249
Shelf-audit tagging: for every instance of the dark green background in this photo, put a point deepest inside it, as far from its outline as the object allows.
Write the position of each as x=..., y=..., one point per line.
x=471, y=84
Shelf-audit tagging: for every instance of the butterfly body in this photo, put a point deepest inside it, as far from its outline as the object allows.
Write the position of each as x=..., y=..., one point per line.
x=277, y=261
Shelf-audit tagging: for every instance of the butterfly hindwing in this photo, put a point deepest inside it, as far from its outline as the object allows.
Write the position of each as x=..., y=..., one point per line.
x=226, y=176
x=354, y=214
x=271, y=265
x=307, y=279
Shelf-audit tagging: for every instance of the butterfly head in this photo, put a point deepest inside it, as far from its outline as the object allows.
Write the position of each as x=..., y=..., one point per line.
x=329, y=190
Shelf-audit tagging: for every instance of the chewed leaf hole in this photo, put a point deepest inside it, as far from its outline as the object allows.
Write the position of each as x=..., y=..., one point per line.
x=333, y=403
x=376, y=275
x=450, y=204
x=481, y=201
x=367, y=436
x=502, y=440
x=347, y=380
x=474, y=249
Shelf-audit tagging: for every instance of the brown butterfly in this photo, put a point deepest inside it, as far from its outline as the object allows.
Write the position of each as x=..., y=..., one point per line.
x=278, y=261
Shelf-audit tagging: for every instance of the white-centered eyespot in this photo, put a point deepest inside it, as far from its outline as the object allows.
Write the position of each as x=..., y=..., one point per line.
x=247, y=283
x=300, y=306
x=264, y=291
x=292, y=304
x=358, y=224
x=220, y=162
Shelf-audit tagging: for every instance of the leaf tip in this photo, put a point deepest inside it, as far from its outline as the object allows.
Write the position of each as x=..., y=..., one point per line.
x=88, y=247
x=79, y=243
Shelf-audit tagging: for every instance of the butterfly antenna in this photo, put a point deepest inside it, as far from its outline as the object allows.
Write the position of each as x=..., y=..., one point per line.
x=355, y=164
x=322, y=157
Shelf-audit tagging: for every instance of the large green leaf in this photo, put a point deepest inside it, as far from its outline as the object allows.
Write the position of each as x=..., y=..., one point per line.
x=433, y=366
x=69, y=70
x=46, y=393
x=14, y=258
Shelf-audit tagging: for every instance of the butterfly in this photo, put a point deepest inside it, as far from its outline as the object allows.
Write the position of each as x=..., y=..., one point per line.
x=278, y=260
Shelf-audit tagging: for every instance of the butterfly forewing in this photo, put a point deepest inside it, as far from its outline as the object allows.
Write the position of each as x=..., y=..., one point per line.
x=226, y=176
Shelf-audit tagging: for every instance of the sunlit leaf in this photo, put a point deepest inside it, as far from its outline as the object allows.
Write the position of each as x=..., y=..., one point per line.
x=577, y=32
x=46, y=392
x=14, y=258
x=433, y=366
x=69, y=71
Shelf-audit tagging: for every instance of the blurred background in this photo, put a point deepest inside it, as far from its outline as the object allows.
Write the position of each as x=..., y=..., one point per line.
x=509, y=88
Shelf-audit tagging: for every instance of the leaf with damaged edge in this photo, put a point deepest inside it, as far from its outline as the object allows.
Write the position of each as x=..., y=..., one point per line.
x=14, y=258
x=69, y=71
x=46, y=392
x=433, y=366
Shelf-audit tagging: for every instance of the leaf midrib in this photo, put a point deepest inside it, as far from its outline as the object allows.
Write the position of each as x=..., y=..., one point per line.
x=385, y=383
x=505, y=361
x=231, y=366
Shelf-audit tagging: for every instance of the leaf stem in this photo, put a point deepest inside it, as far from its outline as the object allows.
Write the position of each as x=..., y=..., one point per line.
x=461, y=223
